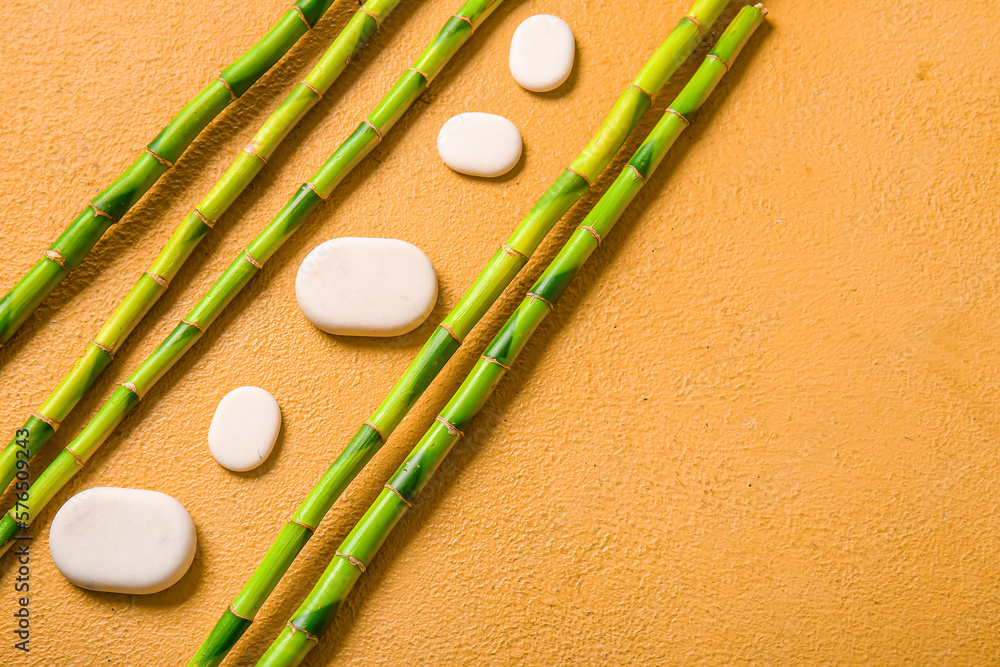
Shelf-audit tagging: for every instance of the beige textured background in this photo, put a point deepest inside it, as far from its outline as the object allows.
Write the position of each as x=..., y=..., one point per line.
x=761, y=427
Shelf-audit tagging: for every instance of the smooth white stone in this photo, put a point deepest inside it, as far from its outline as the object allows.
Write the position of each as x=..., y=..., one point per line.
x=244, y=428
x=542, y=53
x=366, y=287
x=122, y=540
x=480, y=144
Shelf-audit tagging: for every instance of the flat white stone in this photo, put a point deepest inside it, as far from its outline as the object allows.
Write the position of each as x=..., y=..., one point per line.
x=244, y=428
x=542, y=53
x=480, y=144
x=122, y=540
x=366, y=287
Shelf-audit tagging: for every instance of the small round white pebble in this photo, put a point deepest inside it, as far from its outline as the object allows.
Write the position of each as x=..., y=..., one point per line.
x=480, y=144
x=122, y=540
x=542, y=53
x=244, y=428
x=366, y=287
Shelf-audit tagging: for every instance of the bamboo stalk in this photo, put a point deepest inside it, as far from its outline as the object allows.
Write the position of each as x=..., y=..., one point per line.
x=77, y=240
x=355, y=553
x=456, y=31
x=571, y=185
x=42, y=424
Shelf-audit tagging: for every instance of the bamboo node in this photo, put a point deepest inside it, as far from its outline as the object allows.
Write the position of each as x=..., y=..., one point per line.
x=352, y=560
x=375, y=428
x=593, y=232
x=637, y=174
x=22, y=524
x=193, y=324
x=532, y=295
x=238, y=615
x=308, y=634
x=513, y=253
x=378, y=133
x=313, y=88
x=712, y=56
x=249, y=257
x=641, y=90
x=232, y=93
x=674, y=112
x=54, y=423
x=585, y=179
x=423, y=74
x=76, y=457
x=311, y=529
x=56, y=257
x=251, y=149
x=159, y=158
x=101, y=346
x=160, y=280
x=452, y=430
x=451, y=332
x=399, y=495
x=491, y=360
x=378, y=21
x=131, y=387
x=303, y=17
x=697, y=23
x=101, y=213
x=467, y=20
x=203, y=218
x=314, y=189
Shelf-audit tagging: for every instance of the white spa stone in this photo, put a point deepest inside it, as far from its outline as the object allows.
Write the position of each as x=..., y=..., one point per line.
x=122, y=540
x=366, y=287
x=244, y=428
x=542, y=53
x=480, y=144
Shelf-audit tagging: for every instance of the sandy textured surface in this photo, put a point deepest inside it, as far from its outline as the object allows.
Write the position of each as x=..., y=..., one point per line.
x=762, y=425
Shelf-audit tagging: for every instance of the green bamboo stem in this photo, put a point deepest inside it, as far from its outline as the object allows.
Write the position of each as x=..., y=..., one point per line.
x=571, y=185
x=42, y=424
x=356, y=552
x=77, y=240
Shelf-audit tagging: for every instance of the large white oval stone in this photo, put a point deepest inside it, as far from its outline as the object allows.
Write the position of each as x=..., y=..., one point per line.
x=542, y=53
x=244, y=428
x=480, y=144
x=366, y=287
x=122, y=540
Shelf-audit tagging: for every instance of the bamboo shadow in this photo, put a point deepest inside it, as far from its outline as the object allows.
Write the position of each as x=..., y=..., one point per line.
x=507, y=392
x=104, y=386
x=135, y=227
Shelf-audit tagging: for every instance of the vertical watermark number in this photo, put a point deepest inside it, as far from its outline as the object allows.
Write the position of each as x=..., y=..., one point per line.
x=22, y=583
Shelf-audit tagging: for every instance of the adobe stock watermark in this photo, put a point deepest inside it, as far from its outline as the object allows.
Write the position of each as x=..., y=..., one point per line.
x=21, y=552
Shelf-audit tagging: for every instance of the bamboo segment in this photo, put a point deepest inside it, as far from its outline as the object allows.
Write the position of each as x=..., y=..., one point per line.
x=117, y=199
x=568, y=188
x=193, y=228
x=358, y=549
